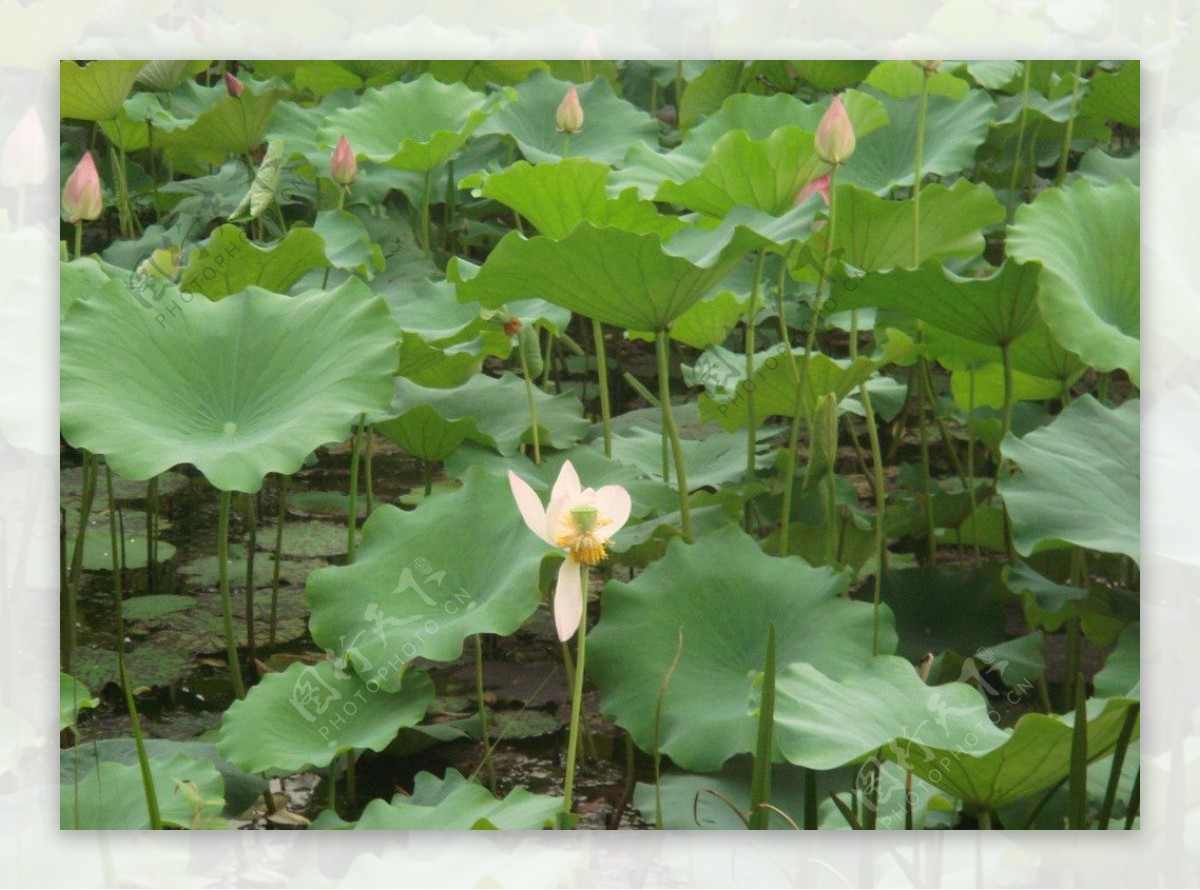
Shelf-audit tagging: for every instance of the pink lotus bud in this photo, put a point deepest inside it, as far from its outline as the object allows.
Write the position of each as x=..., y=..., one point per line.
x=834, y=141
x=343, y=167
x=233, y=85
x=24, y=159
x=820, y=185
x=81, y=197
x=569, y=116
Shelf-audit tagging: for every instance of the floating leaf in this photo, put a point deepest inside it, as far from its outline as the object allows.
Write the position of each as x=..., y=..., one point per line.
x=1079, y=480
x=411, y=594
x=722, y=591
x=309, y=714
x=240, y=388
x=147, y=665
x=155, y=605
x=1087, y=241
x=306, y=539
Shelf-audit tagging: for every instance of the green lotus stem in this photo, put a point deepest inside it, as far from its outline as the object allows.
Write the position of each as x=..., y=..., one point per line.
x=751, y=426
x=926, y=480
x=484, y=732
x=280, y=517
x=602, y=373
x=810, y=799
x=370, y=473
x=533, y=416
x=1077, y=783
x=679, y=96
x=341, y=193
x=349, y=761
x=1135, y=800
x=800, y=405
x=251, y=519
x=547, y=363
x=151, y=532
x=985, y=820
x=352, y=506
x=658, y=712
x=971, y=462
x=1069, y=132
x=1114, y=775
x=943, y=433
x=1102, y=389
x=784, y=338
x=88, y=494
x=1016, y=169
x=78, y=239
x=235, y=667
x=448, y=226
x=427, y=475
x=880, y=508
x=576, y=704
x=919, y=151
x=425, y=238
x=664, y=398
x=331, y=788
x=566, y=151
x=126, y=688
x=871, y=804
x=760, y=785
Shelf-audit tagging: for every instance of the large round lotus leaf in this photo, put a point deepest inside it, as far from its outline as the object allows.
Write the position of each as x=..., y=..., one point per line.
x=306, y=538
x=73, y=697
x=229, y=127
x=874, y=233
x=557, y=197
x=348, y=245
x=230, y=262
x=95, y=91
x=494, y=411
x=1079, y=480
x=1116, y=95
x=1086, y=239
x=240, y=388
x=995, y=310
x=723, y=592
x=954, y=130
x=1122, y=673
x=414, y=125
x=822, y=723
x=710, y=462
x=630, y=280
x=112, y=795
x=460, y=564
x=901, y=79
x=454, y=803
x=610, y=124
x=1033, y=756
x=707, y=323
x=309, y=714
x=97, y=549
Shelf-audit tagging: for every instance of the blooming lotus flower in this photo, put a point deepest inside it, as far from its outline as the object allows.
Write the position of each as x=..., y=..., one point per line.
x=24, y=158
x=343, y=166
x=580, y=521
x=81, y=197
x=569, y=116
x=233, y=86
x=834, y=141
x=819, y=186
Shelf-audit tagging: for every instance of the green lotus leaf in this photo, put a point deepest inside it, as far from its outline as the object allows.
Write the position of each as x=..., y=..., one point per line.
x=243, y=387
x=1079, y=480
x=833, y=74
x=409, y=594
x=155, y=605
x=939, y=609
x=874, y=234
x=995, y=74
x=688, y=800
x=723, y=592
x=622, y=278
x=413, y=126
x=989, y=387
x=954, y=130
x=765, y=174
x=73, y=697
x=348, y=245
x=1116, y=95
x=902, y=78
x=995, y=310
x=610, y=124
x=1035, y=755
x=1121, y=674
x=97, y=549
x=1035, y=354
x=493, y=411
x=823, y=723
x=230, y=262
x=306, y=538
x=555, y=198
x=146, y=663
x=309, y=714
x=1086, y=239
x=707, y=323
x=166, y=74
x=775, y=387
x=1104, y=169
x=454, y=803
x=229, y=127
x=441, y=367
x=96, y=91
x=710, y=462
x=79, y=278
x=112, y=797
x=480, y=73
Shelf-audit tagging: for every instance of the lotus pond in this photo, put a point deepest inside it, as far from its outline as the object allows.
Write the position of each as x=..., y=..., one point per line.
x=591, y=444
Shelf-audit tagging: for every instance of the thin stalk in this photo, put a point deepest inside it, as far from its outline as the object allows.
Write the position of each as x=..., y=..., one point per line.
x=943, y=433
x=658, y=712
x=427, y=475
x=751, y=425
x=448, y=227
x=664, y=399
x=1114, y=776
x=425, y=237
x=152, y=533
x=880, y=507
x=533, y=416
x=1102, y=389
x=1005, y=427
x=971, y=462
x=369, y=470
x=78, y=239
x=341, y=193
x=760, y=787
x=810, y=799
x=281, y=516
x=1071, y=668
x=1016, y=169
x=85, y=510
x=919, y=152
x=1077, y=784
x=231, y=652
x=679, y=96
x=484, y=731
x=126, y=688
x=576, y=706
x=548, y=362
x=348, y=763
x=927, y=478
x=331, y=788
x=1135, y=800
x=252, y=527
x=1069, y=132
x=985, y=820
x=602, y=373
x=871, y=803
x=352, y=503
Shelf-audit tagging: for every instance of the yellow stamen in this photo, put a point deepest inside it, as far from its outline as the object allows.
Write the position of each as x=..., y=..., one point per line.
x=580, y=538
